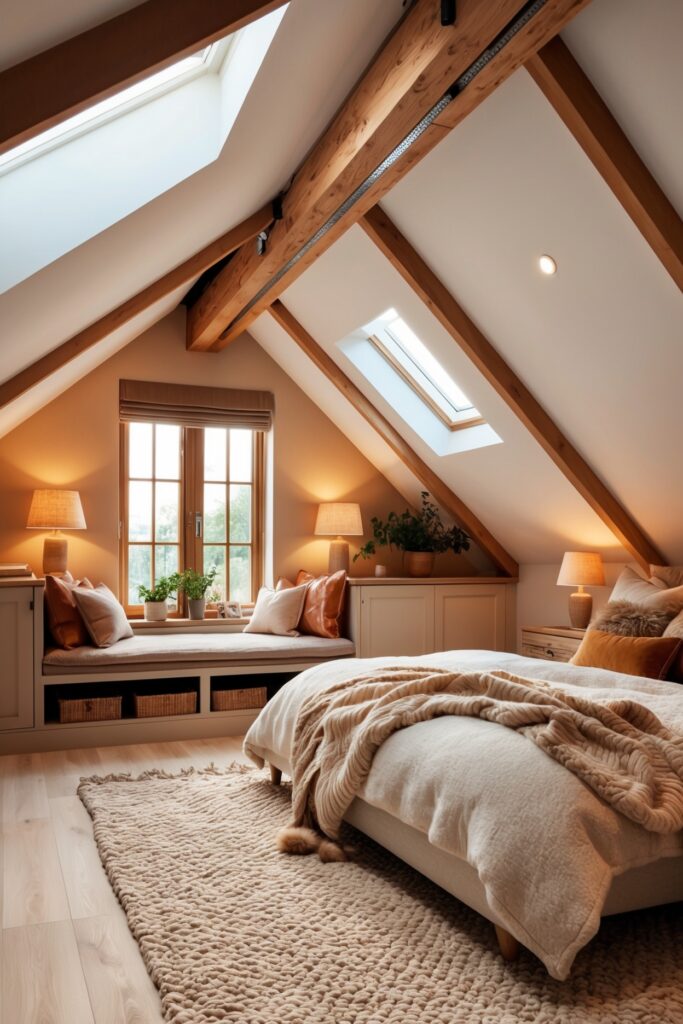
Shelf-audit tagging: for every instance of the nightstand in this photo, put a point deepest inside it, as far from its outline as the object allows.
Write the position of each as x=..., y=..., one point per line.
x=554, y=643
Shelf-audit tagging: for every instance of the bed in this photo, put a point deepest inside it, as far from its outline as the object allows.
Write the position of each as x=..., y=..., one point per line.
x=491, y=818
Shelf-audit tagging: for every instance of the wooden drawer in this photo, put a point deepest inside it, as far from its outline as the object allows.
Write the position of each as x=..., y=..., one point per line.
x=551, y=648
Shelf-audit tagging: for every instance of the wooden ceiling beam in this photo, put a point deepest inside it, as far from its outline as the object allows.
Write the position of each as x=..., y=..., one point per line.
x=57, y=83
x=572, y=94
x=416, y=68
x=427, y=477
x=177, y=278
x=424, y=282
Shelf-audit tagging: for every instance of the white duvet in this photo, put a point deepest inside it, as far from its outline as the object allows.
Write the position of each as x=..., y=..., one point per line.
x=544, y=845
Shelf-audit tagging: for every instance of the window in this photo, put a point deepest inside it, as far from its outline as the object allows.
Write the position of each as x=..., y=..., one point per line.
x=398, y=344
x=191, y=498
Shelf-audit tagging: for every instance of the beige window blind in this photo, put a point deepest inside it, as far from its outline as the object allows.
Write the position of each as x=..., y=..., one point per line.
x=187, y=405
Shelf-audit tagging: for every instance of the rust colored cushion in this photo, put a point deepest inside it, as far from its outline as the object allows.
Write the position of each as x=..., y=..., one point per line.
x=324, y=604
x=633, y=655
x=64, y=619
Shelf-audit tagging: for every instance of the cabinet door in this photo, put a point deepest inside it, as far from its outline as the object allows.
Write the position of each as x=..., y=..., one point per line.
x=396, y=620
x=470, y=617
x=16, y=657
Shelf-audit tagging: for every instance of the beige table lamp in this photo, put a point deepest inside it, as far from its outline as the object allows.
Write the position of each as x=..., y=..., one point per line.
x=581, y=569
x=339, y=519
x=55, y=510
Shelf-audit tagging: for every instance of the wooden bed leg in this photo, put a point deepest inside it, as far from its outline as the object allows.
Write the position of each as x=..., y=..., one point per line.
x=275, y=775
x=509, y=946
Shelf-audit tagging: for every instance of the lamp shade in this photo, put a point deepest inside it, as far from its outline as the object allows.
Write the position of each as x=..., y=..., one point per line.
x=56, y=510
x=581, y=568
x=339, y=519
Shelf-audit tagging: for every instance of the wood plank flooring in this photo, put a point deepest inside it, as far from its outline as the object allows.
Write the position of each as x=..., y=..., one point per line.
x=66, y=955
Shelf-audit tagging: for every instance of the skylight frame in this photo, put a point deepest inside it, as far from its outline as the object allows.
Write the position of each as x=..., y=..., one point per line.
x=209, y=59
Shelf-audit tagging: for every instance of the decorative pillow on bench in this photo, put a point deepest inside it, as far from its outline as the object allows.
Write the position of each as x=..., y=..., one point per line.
x=324, y=602
x=103, y=616
x=277, y=611
x=64, y=619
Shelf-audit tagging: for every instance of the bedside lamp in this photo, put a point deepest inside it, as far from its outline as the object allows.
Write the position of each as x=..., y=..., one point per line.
x=581, y=569
x=339, y=519
x=55, y=510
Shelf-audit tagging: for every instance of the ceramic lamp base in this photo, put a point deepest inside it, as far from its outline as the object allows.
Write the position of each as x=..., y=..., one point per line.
x=580, y=609
x=55, y=551
x=339, y=556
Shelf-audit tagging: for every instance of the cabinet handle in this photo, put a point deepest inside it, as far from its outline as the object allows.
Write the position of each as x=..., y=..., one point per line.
x=550, y=652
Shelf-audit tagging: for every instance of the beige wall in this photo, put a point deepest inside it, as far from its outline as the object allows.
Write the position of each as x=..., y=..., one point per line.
x=73, y=442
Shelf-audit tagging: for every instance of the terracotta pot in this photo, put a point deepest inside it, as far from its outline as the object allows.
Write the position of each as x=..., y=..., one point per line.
x=418, y=563
x=156, y=611
x=197, y=607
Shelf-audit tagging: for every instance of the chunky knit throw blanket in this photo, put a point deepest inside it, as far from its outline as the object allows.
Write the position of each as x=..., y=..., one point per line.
x=619, y=748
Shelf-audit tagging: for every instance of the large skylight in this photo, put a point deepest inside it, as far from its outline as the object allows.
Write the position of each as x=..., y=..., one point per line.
x=126, y=99
x=395, y=340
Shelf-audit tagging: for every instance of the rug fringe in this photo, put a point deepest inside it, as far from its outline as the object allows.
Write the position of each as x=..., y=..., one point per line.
x=234, y=768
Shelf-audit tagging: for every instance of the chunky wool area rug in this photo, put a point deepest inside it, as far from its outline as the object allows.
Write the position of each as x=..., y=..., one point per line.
x=233, y=931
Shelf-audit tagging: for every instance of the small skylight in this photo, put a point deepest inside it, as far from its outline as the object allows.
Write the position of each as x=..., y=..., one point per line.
x=411, y=359
x=127, y=99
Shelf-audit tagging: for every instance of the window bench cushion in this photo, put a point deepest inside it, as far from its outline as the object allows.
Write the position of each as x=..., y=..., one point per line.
x=179, y=649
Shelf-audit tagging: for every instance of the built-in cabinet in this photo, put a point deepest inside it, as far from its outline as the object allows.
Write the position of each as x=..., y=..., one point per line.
x=16, y=655
x=412, y=617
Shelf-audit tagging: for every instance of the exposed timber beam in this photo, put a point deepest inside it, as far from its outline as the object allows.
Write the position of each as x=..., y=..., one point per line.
x=417, y=67
x=507, y=384
x=59, y=82
x=427, y=477
x=590, y=121
x=116, y=318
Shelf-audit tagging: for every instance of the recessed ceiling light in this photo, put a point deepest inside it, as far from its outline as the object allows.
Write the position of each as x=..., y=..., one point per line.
x=547, y=264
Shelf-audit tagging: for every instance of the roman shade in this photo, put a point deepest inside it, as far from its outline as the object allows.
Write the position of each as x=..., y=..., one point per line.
x=187, y=405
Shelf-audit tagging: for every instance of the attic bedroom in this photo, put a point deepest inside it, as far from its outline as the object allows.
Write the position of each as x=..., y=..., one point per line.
x=341, y=559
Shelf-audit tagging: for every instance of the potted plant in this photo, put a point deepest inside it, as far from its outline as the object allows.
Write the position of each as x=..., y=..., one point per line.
x=195, y=585
x=420, y=535
x=156, y=597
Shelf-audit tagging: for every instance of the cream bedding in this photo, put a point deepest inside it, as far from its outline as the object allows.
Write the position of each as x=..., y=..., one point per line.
x=544, y=845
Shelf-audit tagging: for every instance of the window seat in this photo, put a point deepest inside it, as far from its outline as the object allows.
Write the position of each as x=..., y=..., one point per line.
x=178, y=650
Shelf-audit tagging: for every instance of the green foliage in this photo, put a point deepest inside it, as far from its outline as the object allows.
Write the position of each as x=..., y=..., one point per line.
x=421, y=531
x=194, y=584
x=164, y=588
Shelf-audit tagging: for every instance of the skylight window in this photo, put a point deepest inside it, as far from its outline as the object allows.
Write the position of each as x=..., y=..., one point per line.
x=127, y=99
x=398, y=344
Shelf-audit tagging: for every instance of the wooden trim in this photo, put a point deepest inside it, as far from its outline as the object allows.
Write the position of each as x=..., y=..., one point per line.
x=590, y=121
x=116, y=318
x=507, y=384
x=57, y=83
x=427, y=477
x=415, y=69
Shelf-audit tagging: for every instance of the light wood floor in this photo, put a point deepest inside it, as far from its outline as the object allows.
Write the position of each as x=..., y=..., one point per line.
x=67, y=956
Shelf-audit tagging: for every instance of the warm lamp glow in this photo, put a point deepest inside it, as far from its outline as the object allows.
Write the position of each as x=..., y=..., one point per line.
x=339, y=519
x=581, y=568
x=56, y=510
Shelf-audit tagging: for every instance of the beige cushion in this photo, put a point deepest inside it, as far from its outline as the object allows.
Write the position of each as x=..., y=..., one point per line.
x=104, y=617
x=277, y=611
x=632, y=587
x=671, y=575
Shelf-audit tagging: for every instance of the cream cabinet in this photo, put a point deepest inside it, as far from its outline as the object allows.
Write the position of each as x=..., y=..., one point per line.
x=412, y=617
x=16, y=657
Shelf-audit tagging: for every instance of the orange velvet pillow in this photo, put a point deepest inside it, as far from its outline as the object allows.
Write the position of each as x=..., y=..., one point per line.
x=634, y=655
x=64, y=619
x=323, y=605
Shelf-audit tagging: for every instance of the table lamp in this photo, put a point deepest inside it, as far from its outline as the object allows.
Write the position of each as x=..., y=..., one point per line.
x=339, y=519
x=55, y=510
x=581, y=569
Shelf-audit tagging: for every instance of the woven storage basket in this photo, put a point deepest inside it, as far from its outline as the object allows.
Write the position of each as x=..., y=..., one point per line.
x=153, y=705
x=239, y=700
x=89, y=709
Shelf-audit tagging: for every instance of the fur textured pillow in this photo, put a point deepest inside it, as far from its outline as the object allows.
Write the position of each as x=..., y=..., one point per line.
x=627, y=619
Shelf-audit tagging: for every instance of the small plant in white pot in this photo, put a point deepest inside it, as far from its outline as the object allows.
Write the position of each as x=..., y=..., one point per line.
x=195, y=585
x=156, y=598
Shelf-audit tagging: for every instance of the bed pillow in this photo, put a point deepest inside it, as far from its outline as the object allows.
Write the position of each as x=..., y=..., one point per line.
x=324, y=604
x=670, y=575
x=277, y=611
x=633, y=655
x=627, y=619
x=64, y=619
x=104, y=617
x=675, y=629
x=652, y=593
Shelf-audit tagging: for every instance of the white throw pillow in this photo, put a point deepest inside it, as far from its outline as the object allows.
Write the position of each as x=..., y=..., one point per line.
x=277, y=611
x=652, y=593
x=671, y=575
x=104, y=617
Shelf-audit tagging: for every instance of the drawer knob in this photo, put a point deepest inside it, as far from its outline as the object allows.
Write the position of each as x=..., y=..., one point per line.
x=550, y=652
